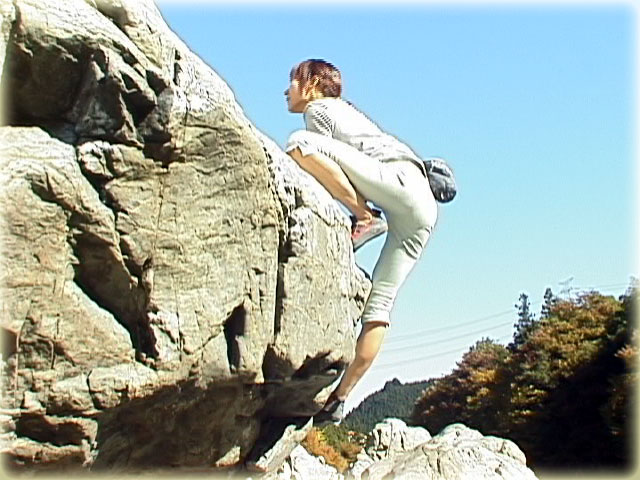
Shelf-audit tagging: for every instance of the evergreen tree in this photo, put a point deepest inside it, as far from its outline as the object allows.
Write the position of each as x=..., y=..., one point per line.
x=525, y=323
x=549, y=301
x=395, y=400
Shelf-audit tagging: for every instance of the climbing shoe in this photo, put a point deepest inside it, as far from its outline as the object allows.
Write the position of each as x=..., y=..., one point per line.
x=332, y=412
x=361, y=233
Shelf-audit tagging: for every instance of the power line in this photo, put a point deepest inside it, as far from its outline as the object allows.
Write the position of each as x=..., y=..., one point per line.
x=448, y=352
x=399, y=338
x=427, y=357
x=445, y=340
x=457, y=337
x=448, y=327
x=611, y=286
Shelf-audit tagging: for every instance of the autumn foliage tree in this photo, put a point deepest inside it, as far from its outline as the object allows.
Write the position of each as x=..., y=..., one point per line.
x=470, y=394
x=561, y=389
x=561, y=379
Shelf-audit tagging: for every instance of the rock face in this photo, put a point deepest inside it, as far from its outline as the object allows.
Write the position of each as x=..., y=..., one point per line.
x=407, y=453
x=457, y=452
x=171, y=281
x=393, y=436
x=302, y=465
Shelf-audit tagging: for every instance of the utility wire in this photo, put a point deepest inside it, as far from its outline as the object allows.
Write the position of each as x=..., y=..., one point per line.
x=399, y=338
x=448, y=327
x=445, y=340
x=448, y=352
x=611, y=286
x=427, y=357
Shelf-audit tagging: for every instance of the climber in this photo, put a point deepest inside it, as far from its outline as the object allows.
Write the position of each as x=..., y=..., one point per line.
x=358, y=163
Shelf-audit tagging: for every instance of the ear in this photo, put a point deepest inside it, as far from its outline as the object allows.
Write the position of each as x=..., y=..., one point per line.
x=309, y=90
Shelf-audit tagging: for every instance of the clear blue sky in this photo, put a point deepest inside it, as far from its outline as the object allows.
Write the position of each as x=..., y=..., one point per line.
x=535, y=108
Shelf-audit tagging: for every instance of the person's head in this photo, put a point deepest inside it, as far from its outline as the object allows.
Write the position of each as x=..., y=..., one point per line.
x=310, y=80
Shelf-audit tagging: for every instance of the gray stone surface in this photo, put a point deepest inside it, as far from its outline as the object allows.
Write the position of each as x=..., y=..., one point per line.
x=393, y=436
x=406, y=453
x=170, y=279
x=456, y=453
x=7, y=14
x=362, y=463
x=301, y=465
x=283, y=436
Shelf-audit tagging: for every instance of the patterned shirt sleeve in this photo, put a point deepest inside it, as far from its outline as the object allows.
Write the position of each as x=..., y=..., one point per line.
x=317, y=119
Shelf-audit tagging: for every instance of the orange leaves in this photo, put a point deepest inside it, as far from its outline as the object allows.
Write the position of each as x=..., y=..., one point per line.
x=317, y=445
x=474, y=393
x=559, y=392
x=573, y=334
x=350, y=451
x=340, y=455
x=629, y=352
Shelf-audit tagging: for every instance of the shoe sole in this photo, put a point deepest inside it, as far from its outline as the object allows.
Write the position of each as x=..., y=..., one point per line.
x=361, y=241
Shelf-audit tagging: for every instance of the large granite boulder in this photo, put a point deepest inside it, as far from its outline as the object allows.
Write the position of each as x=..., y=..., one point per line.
x=396, y=451
x=301, y=465
x=173, y=285
x=456, y=453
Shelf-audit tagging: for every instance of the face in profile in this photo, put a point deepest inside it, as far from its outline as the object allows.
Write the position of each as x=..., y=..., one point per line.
x=297, y=99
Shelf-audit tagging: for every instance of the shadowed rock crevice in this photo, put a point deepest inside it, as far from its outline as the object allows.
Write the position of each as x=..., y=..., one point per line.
x=280, y=296
x=33, y=72
x=101, y=111
x=314, y=366
x=284, y=253
x=271, y=365
x=278, y=436
x=234, y=329
x=57, y=431
x=99, y=268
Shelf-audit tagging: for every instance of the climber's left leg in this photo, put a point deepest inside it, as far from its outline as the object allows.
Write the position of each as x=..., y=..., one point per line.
x=331, y=177
x=367, y=348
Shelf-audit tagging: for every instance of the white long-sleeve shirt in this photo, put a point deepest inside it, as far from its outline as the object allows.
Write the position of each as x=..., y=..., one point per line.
x=339, y=119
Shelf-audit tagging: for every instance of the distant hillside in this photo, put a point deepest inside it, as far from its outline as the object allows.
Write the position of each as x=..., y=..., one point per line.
x=394, y=400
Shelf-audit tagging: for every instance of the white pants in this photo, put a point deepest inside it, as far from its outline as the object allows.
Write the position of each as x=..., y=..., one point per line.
x=402, y=192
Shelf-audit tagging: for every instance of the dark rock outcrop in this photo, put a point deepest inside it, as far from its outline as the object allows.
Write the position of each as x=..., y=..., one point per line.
x=171, y=281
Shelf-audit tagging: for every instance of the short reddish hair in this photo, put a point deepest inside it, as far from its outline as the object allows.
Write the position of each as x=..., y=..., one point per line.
x=327, y=76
